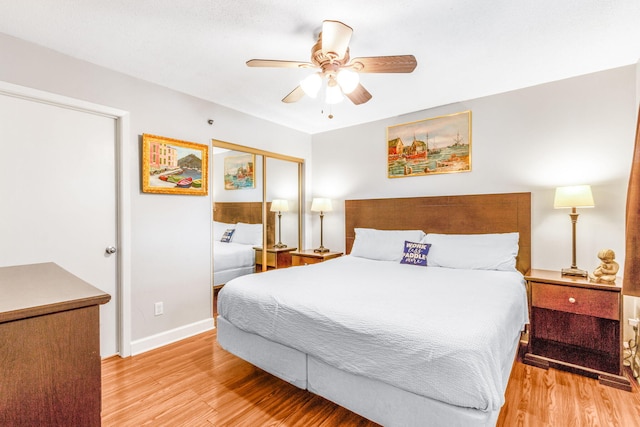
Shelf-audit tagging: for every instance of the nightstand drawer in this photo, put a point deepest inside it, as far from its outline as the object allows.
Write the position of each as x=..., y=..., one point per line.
x=590, y=302
x=304, y=260
x=309, y=256
x=276, y=257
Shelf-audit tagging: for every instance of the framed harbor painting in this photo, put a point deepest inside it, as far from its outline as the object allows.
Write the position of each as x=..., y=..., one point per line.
x=171, y=166
x=239, y=172
x=431, y=146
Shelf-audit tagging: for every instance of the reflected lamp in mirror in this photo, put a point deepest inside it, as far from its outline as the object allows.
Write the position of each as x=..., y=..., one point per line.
x=576, y=196
x=321, y=205
x=279, y=205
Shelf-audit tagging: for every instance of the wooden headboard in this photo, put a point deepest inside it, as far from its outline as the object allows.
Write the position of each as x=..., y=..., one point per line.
x=247, y=212
x=473, y=214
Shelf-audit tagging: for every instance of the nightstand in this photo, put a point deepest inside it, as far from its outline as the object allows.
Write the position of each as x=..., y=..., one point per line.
x=308, y=256
x=276, y=258
x=575, y=325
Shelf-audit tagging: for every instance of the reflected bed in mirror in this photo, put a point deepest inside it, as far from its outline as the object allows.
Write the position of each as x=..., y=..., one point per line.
x=245, y=182
x=237, y=257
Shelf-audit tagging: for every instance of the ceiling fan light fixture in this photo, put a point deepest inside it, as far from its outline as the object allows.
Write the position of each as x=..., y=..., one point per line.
x=348, y=80
x=331, y=55
x=311, y=84
x=333, y=94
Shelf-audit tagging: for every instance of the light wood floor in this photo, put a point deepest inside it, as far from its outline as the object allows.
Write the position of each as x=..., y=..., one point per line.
x=196, y=383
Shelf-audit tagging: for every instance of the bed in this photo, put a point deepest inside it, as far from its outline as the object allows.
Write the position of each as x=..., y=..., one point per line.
x=400, y=344
x=236, y=257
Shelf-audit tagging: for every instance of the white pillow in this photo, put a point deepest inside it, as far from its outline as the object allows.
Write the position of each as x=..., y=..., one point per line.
x=473, y=251
x=219, y=228
x=248, y=234
x=383, y=245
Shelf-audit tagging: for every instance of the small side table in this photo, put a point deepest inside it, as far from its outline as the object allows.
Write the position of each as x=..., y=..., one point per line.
x=576, y=325
x=276, y=258
x=308, y=256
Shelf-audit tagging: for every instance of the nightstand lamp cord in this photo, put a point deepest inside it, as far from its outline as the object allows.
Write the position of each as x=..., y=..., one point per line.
x=631, y=351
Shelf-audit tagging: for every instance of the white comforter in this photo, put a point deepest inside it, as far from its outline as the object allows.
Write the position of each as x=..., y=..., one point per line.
x=227, y=256
x=441, y=333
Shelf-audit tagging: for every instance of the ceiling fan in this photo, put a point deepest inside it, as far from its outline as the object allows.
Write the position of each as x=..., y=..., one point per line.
x=330, y=55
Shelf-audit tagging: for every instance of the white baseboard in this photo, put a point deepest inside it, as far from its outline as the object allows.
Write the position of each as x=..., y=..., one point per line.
x=171, y=336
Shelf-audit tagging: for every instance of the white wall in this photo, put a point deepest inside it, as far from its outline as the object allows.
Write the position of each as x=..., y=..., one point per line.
x=579, y=130
x=574, y=131
x=170, y=235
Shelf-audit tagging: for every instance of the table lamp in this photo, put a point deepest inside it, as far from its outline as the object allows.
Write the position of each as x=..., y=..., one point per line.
x=577, y=196
x=321, y=205
x=279, y=205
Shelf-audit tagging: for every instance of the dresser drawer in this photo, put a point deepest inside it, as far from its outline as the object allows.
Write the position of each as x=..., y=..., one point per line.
x=590, y=302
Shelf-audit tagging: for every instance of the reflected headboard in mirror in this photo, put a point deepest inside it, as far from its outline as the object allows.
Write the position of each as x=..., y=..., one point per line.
x=247, y=212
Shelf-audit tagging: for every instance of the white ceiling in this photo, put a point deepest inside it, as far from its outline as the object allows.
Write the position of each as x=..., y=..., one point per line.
x=465, y=48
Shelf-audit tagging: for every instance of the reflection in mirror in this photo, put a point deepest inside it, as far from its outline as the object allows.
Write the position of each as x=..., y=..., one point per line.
x=282, y=190
x=245, y=183
x=237, y=213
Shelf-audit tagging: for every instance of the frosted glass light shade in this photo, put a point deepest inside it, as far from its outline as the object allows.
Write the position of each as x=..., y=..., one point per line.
x=348, y=80
x=575, y=196
x=320, y=204
x=334, y=94
x=311, y=85
x=279, y=205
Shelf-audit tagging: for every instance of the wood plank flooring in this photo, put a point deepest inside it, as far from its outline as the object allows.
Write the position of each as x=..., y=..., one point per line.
x=195, y=382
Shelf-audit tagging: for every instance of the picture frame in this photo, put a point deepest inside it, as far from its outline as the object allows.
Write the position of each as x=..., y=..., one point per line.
x=240, y=172
x=437, y=145
x=171, y=166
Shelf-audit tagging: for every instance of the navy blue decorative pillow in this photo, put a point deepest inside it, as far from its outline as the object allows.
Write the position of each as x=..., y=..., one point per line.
x=415, y=253
x=226, y=237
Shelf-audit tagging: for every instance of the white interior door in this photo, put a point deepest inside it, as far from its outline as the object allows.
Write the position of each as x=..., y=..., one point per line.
x=58, y=196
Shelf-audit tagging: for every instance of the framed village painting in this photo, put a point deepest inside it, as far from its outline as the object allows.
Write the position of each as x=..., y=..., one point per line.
x=171, y=166
x=431, y=146
x=239, y=172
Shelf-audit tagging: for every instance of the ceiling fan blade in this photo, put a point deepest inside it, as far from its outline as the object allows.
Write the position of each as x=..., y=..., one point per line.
x=278, y=64
x=335, y=37
x=384, y=64
x=359, y=95
x=294, y=96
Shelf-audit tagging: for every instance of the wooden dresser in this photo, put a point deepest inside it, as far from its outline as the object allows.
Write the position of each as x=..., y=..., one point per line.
x=49, y=347
x=576, y=325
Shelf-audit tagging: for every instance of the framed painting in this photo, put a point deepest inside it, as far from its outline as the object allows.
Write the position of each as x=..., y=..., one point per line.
x=431, y=146
x=239, y=172
x=170, y=166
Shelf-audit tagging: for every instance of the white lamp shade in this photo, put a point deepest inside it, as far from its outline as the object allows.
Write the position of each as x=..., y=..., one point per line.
x=279, y=205
x=311, y=85
x=575, y=196
x=348, y=80
x=320, y=204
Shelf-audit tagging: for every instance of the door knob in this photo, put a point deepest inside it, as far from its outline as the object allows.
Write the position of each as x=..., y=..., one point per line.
x=111, y=250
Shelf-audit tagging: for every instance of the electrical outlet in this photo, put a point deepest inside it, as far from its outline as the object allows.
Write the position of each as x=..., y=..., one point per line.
x=159, y=308
x=634, y=322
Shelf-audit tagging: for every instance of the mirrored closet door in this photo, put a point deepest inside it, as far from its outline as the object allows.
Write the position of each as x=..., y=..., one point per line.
x=257, y=203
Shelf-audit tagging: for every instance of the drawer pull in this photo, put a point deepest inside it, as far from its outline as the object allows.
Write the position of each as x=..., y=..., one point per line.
x=572, y=300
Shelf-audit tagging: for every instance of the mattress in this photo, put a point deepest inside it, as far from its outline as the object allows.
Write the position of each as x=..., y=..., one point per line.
x=228, y=256
x=440, y=333
x=231, y=260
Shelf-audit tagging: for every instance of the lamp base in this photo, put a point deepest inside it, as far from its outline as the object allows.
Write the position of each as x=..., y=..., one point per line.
x=279, y=245
x=574, y=272
x=321, y=250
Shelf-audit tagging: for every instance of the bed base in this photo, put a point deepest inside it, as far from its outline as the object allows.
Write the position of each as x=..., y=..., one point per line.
x=284, y=362
x=222, y=277
x=377, y=401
